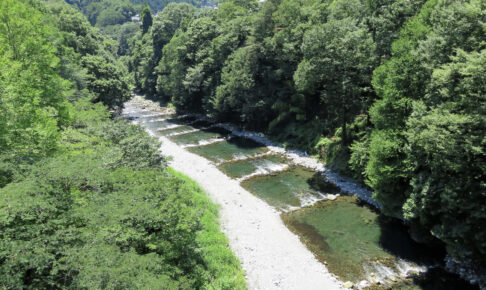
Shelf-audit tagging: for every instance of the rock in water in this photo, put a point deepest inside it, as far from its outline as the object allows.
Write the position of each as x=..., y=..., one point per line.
x=348, y=285
x=332, y=196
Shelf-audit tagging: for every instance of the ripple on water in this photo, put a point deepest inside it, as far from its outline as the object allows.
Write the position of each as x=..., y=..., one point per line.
x=153, y=118
x=291, y=188
x=176, y=130
x=198, y=137
x=232, y=148
x=261, y=165
x=158, y=125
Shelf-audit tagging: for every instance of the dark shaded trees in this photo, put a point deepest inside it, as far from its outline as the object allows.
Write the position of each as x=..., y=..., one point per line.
x=334, y=75
x=429, y=126
x=147, y=50
x=146, y=17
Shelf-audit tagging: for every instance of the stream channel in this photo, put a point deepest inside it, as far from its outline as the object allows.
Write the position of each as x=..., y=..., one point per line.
x=348, y=235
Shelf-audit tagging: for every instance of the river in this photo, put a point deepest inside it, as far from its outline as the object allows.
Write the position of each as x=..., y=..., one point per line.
x=292, y=223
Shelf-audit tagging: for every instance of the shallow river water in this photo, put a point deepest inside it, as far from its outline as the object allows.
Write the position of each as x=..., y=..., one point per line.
x=355, y=242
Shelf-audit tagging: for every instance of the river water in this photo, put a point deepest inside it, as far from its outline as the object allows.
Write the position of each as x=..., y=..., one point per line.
x=351, y=237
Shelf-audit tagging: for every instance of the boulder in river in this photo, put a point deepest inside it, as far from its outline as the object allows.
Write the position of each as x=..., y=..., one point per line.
x=332, y=196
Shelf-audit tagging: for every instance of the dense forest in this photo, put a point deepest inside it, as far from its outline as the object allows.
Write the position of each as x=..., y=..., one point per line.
x=112, y=12
x=86, y=201
x=391, y=93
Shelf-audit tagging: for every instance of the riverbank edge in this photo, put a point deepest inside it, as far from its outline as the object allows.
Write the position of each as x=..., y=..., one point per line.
x=222, y=263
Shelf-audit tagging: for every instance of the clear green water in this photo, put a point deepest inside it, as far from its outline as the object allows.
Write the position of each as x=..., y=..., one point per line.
x=166, y=132
x=156, y=125
x=196, y=137
x=290, y=188
x=238, y=169
x=352, y=238
x=342, y=233
x=183, y=119
x=152, y=118
x=230, y=149
x=200, y=124
x=166, y=123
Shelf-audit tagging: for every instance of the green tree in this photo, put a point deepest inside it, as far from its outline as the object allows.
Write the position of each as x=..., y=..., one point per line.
x=447, y=153
x=182, y=63
x=429, y=125
x=238, y=92
x=146, y=16
x=142, y=64
x=71, y=217
x=107, y=81
x=147, y=52
x=32, y=93
x=397, y=82
x=167, y=22
x=335, y=73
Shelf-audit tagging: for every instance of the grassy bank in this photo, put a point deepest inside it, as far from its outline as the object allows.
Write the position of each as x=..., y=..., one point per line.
x=223, y=267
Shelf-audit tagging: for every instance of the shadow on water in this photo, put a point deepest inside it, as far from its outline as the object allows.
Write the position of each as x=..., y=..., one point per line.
x=319, y=183
x=198, y=124
x=439, y=279
x=315, y=241
x=395, y=239
x=223, y=132
x=243, y=143
x=435, y=279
